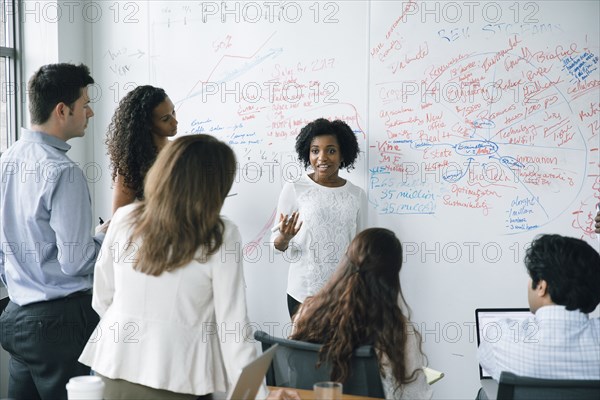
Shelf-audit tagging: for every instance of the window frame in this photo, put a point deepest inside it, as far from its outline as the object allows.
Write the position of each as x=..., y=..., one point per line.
x=10, y=55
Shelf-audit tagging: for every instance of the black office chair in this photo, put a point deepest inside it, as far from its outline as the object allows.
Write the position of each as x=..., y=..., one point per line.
x=294, y=365
x=514, y=387
x=3, y=304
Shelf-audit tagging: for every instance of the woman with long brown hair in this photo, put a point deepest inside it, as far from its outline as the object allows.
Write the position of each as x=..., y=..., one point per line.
x=169, y=281
x=362, y=304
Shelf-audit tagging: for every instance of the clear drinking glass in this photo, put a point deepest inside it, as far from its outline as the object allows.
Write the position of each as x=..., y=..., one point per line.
x=328, y=390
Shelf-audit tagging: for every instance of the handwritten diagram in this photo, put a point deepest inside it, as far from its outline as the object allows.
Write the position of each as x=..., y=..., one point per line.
x=502, y=124
x=486, y=112
x=254, y=85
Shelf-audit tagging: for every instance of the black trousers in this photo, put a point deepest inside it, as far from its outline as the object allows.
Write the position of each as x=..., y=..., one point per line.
x=45, y=340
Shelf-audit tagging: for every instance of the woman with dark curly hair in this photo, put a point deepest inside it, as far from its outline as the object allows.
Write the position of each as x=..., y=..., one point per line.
x=140, y=128
x=363, y=304
x=320, y=213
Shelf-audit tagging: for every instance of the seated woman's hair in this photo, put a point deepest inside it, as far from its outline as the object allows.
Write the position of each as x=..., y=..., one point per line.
x=359, y=306
x=179, y=219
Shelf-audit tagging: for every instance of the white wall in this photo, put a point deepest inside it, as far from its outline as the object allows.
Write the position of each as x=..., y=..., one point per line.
x=52, y=33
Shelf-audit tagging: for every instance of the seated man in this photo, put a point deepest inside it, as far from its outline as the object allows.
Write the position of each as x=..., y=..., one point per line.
x=561, y=341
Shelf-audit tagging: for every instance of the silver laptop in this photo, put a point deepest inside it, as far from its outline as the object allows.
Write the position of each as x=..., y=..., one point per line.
x=486, y=320
x=252, y=376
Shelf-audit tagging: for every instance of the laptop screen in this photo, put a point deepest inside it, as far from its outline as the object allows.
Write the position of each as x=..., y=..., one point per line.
x=486, y=322
x=252, y=376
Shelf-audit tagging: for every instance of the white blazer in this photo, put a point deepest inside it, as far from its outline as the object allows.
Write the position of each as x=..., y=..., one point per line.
x=180, y=331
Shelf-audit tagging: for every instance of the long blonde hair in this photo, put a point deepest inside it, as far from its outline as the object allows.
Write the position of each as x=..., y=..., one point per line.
x=180, y=215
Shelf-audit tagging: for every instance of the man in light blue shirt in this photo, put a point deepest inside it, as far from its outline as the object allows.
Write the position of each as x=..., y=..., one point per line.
x=47, y=251
x=561, y=341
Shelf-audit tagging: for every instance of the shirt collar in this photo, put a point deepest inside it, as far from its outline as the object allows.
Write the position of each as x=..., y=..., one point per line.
x=44, y=138
x=560, y=312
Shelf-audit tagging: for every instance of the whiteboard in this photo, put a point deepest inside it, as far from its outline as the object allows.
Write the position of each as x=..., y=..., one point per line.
x=478, y=124
x=483, y=133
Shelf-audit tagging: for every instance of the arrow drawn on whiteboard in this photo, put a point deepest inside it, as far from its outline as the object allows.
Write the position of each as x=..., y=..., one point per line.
x=191, y=93
x=239, y=71
x=139, y=54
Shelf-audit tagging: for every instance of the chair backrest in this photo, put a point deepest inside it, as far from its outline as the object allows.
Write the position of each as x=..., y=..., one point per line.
x=514, y=387
x=295, y=366
x=3, y=303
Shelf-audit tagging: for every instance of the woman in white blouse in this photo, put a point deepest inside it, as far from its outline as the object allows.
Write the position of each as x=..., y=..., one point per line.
x=363, y=304
x=169, y=284
x=320, y=213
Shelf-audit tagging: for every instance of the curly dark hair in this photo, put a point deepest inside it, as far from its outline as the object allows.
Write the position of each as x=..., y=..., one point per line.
x=359, y=305
x=319, y=127
x=130, y=146
x=571, y=268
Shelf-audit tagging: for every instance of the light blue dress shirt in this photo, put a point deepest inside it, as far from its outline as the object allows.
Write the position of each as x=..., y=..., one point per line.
x=47, y=250
x=554, y=344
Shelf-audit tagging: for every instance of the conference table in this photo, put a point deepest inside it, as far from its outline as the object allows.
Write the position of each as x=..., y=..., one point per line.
x=310, y=395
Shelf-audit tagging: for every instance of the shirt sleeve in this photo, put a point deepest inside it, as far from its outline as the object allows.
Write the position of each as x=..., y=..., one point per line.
x=419, y=388
x=71, y=221
x=230, y=307
x=287, y=204
x=361, y=218
x=487, y=359
x=104, y=276
x=2, y=268
x=2, y=273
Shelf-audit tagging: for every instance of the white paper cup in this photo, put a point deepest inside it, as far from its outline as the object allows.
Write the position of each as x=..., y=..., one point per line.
x=85, y=388
x=328, y=390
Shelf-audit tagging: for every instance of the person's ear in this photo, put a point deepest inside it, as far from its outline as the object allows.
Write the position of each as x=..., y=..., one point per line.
x=61, y=110
x=541, y=288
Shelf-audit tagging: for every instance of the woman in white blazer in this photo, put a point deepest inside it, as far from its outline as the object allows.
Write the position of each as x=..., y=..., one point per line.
x=169, y=284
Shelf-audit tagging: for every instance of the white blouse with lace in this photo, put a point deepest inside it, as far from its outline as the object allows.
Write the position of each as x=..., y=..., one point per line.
x=331, y=217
